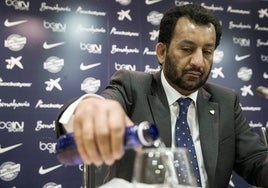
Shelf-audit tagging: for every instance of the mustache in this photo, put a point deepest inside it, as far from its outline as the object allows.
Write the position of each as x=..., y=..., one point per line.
x=193, y=69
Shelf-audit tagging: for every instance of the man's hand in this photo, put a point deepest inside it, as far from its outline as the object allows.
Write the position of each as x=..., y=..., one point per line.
x=99, y=127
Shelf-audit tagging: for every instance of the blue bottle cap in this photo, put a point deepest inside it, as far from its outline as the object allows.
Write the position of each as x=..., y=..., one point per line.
x=147, y=133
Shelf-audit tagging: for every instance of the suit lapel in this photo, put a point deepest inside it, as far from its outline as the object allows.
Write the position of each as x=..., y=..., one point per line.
x=161, y=117
x=160, y=109
x=208, y=117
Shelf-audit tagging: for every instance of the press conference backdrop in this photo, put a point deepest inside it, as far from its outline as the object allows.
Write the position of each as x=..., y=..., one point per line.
x=53, y=50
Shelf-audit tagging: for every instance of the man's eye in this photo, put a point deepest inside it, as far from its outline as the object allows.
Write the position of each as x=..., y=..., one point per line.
x=188, y=50
x=207, y=52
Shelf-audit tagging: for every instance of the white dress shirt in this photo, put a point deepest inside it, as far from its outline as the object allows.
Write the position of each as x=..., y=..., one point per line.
x=192, y=118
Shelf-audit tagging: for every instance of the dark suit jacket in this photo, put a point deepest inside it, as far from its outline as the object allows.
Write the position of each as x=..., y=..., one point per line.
x=227, y=141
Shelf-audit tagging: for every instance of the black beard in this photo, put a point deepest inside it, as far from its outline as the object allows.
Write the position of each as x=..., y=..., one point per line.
x=178, y=81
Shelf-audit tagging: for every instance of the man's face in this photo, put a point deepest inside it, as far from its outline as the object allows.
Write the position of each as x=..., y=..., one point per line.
x=188, y=60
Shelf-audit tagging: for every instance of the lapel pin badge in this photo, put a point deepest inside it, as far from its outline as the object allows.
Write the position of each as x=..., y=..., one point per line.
x=212, y=112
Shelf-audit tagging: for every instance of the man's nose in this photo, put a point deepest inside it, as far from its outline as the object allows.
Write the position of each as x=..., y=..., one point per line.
x=197, y=58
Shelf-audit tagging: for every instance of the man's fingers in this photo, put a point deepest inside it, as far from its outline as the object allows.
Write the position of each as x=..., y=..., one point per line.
x=102, y=131
x=80, y=143
x=117, y=129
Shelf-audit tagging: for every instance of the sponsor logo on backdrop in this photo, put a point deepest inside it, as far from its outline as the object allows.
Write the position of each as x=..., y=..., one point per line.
x=14, y=61
x=263, y=13
x=55, y=8
x=40, y=104
x=237, y=11
x=154, y=17
x=90, y=85
x=246, y=90
x=264, y=58
x=14, y=104
x=151, y=2
x=8, y=148
x=55, y=27
x=146, y=51
x=261, y=43
x=217, y=72
x=53, y=64
x=251, y=108
x=81, y=167
x=53, y=83
x=125, y=50
x=84, y=67
x=243, y=42
x=52, y=185
x=154, y=35
x=15, y=42
x=40, y=125
x=241, y=57
x=240, y=25
x=14, y=84
x=43, y=171
x=118, y=66
x=148, y=69
x=48, y=46
x=114, y=31
x=91, y=48
x=123, y=2
x=80, y=10
x=18, y=4
x=12, y=126
x=218, y=56
x=212, y=7
x=91, y=29
x=50, y=147
x=245, y=73
x=9, y=170
x=124, y=14
x=265, y=75
x=255, y=125
x=260, y=28
x=8, y=23
x=180, y=3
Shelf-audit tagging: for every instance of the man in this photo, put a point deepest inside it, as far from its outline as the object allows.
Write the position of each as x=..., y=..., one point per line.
x=222, y=138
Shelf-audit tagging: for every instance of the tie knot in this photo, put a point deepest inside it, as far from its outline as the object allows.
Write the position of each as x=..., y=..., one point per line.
x=184, y=102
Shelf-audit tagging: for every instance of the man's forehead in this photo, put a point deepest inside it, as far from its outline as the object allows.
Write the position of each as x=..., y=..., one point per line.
x=186, y=20
x=189, y=32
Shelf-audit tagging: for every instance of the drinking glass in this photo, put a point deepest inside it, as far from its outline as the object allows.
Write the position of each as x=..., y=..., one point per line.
x=158, y=168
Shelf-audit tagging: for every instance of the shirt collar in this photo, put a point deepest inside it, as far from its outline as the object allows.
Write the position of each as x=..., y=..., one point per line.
x=172, y=94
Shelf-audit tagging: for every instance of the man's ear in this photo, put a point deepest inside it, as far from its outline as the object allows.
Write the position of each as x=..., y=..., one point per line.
x=160, y=49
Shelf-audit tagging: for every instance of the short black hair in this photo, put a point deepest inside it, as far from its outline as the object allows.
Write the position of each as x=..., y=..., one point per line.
x=194, y=12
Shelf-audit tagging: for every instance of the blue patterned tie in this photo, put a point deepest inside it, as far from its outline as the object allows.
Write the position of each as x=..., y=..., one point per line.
x=184, y=139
